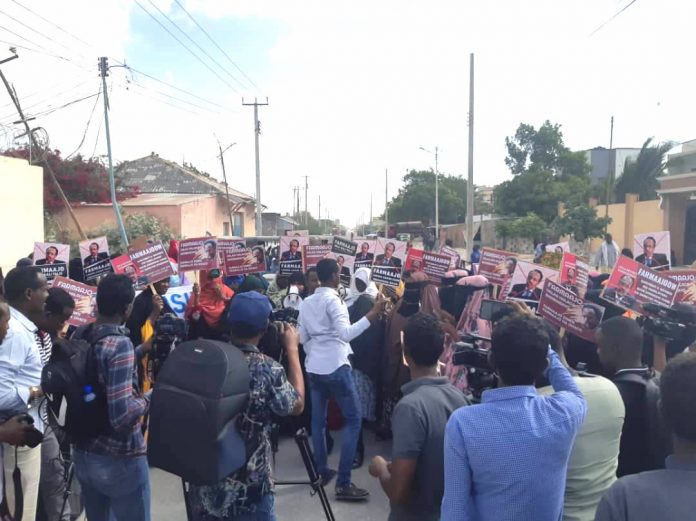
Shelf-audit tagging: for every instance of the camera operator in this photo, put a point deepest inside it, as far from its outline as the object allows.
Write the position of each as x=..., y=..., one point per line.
x=248, y=493
x=620, y=346
x=664, y=339
x=507, y=457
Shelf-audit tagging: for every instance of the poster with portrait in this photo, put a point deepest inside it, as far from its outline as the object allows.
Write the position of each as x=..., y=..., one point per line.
x=498, y=266
x=390, y=256
x=243, y=261
x=653, y=250
x=686, y=290
x=291, y=253
x=95, y=258
x=344, y=252
x=312, y=254
x=152, y=263
x=574, y=274
x=365, y=255
x=455, y=258
x=560, y=248
x=563, y=308
x=85, y=298
x=434, y=265
x=632, y=284
x=124, y=265
x=528, y=280
x=52, y=259
x=198, y=254
x=228, y=243
x=297, y=233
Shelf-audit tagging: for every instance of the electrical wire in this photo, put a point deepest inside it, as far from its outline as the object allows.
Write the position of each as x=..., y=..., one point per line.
x=174, y=97
x=38, y=32
x=53, y=24
x=196, y=44
x=89, y=121
x=184, y=46
x=65, y=105
x=215, y=43
x=53, y=97
x=613, y=17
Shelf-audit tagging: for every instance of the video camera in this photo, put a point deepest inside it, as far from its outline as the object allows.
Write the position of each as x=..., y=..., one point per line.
x=677, y=323
x=469, y=353
x=271, y=344
x=170, y=330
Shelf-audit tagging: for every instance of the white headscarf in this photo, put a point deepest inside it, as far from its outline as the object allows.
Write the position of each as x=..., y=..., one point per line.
x=363, y=274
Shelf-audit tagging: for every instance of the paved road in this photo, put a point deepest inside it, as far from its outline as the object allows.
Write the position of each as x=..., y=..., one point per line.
x=293, y=503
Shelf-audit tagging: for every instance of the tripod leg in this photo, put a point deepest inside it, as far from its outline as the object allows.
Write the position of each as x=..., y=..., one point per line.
x=302, y=441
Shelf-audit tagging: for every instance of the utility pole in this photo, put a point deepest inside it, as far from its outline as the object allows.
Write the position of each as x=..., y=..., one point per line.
x=370, y=209
x=306, y=214
x=104, y=71
x=224, y=177
x=34, y=145
x=386, y=203
x=437, y=201
x=610, y=171
x=321, y=228
x=257, y=132
x=470, y=179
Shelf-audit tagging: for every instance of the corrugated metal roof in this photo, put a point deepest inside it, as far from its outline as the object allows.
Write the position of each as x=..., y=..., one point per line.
x=158, y=200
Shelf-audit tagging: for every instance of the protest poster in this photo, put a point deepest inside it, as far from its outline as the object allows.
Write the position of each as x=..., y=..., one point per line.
x=497, y=266
x=243, y=261
x=527, y=281
x=455, y=258
x=52, y=259
x=560, y=248
x=434, y=265
x=95, y=258
x=297, y=233
x=311, y=255
x=632, y=284
x=344, y=252
x=551, y=260
x=140, y=243
x=686, y=290
x=228, y=243
x=178, y=298
x=124, y=265
x=365, y=255
x=653, y=250
x=291, y=253
x=574, y=274
x=389, y=258
x=152, y=263
x=198, y=254
x=85, y=298
x=563, y=308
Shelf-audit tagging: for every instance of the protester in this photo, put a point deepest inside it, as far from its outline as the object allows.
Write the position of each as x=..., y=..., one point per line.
x=148, y=307
x=665, y=495
x=14, y=431
x=325, y=331
x=367, y=350
x=594, y=458
x=277, y=290
x=607, y=255
x=248, y=493
x=208, y=302
x=311, y=282
x=252, y=283
x=476, y=254
x=507, y=457
x=21, y=361
x=112, y=468
x=414, y=481
x=627, y=252
x=620, y=346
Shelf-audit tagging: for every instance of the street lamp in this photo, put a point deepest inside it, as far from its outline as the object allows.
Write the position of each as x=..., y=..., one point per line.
x=437, y=196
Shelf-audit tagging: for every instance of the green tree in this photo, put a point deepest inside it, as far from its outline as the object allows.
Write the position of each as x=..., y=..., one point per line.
x=581, y=221
x=640, y=175
x=416, y=199
x=531, y=226
x=137, y=225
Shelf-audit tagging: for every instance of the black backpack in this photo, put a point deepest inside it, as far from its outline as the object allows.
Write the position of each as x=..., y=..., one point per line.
x=72, y=367
x=200, y=391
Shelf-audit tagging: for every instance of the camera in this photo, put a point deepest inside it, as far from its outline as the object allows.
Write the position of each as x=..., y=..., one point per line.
x=271, y=344
x=480, y=374
x=170, y=330
x=677, y=323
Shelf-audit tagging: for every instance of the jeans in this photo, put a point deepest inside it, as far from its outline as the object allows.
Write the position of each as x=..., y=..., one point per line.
x=114, y=488
x=263, y=511
x=340, y=386
x=52, y=484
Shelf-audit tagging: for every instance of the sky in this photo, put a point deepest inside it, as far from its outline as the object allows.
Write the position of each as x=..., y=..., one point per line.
x=354, y=88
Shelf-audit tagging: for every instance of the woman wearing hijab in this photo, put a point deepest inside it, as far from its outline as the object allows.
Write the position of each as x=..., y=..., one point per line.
x=208, y=303
x=367, y=352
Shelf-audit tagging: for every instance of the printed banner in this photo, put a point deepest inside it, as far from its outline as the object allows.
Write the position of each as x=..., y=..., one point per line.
x=95, y=258
x=631, y=285
x=365, y=255
x=653, y=250
x=563, y=308
x=527, y=281
x=560, y=248
x=686, y=291
x=291, y=253
x=245, y=261
x=455, y=258
x=434, y=265
x=574, y=274
x=123, y=265
x=389, y=258
x=152, y=263
x=344, y=252
x=311, y=255
x=497, y=266
x=178, y=298
x=341, y=246
x=85, y=297
x=52, y=259
x=198, y=254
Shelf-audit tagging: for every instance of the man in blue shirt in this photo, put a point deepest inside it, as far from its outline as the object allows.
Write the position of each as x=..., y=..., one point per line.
x=506, y=458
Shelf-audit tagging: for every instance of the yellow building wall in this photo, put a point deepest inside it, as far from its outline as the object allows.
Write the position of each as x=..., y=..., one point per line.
x=631, y=218
x=21, y=209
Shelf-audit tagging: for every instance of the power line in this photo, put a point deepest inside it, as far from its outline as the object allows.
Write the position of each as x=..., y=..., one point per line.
x=52, y=23
x=89, y=120
x=184, y=46
x=613, y=17
x=196, y=44
x=71, y=89
x=37, y=32
x=215, y=43
x=68, y=104
x=207, y=109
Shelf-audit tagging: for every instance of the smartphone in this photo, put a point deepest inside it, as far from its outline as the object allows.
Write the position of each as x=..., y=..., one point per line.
x=531, y=304
x=490, y=308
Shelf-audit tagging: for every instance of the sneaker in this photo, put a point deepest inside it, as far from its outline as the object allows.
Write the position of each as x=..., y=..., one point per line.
x=351, y=493
x=327, y=477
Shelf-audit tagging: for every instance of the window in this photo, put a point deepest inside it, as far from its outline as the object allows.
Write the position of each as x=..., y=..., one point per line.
x=226, y=229
x=239, y=224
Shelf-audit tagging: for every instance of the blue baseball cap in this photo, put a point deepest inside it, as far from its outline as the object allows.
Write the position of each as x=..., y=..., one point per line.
x=250, y=308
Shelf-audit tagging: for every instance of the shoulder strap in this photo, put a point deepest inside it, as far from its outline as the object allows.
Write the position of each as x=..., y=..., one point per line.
x=633, y=378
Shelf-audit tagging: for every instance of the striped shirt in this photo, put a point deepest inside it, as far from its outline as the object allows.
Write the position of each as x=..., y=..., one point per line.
x=45, y=345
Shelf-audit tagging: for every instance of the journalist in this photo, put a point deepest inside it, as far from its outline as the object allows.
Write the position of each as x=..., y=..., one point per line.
x=248, y=493
x=325, y=332
x=506, y=458
x=112, y=468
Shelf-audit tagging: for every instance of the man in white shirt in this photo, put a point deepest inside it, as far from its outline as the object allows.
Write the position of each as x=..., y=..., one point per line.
x=325, y=332
x=26, y=290
x=607, y=255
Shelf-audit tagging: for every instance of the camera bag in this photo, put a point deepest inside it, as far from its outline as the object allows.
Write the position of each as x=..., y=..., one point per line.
x=201, y=389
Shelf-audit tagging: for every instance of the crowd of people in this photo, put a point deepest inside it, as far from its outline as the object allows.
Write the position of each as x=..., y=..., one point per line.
x=563, y=428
